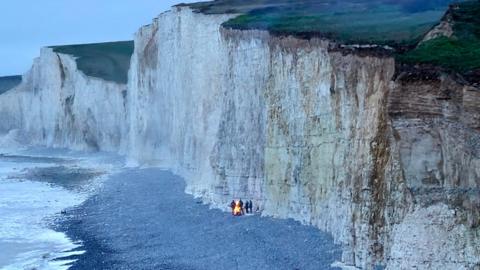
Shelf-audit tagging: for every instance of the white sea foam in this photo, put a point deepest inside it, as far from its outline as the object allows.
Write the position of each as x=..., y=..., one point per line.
x=24, y=233
x=27, y=208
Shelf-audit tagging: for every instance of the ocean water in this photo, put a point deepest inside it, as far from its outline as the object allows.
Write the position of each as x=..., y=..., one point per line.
x=34, y=190
x=25, y=210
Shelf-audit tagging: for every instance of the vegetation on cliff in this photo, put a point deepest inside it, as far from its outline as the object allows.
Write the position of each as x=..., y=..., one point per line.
x=399, y=24
x=109, y=61
x=459, y=52
x=381, y=22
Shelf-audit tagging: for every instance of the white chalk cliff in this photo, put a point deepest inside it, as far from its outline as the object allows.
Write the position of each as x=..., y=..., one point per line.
x=387, y=162
x=58, y=106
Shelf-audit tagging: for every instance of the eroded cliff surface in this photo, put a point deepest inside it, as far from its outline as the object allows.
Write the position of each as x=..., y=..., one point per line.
x=435, y=121
x=384, y=159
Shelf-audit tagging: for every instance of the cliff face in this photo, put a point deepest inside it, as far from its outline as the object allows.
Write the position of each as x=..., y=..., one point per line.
x=388, y=163
x=436, y=135
x=309, y=133
x=389, y=166
x=57, y=105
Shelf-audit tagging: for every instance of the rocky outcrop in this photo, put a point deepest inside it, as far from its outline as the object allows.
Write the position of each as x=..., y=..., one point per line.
x=443, y=29
x=385, y=160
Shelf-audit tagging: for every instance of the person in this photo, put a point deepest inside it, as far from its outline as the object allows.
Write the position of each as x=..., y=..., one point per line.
x=241, y=207
x=247, y=206
x=250, y=204
x=232, y=205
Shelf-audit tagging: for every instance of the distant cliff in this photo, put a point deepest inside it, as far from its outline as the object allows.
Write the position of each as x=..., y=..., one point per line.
x=9, y=82
x=59, y=106
x=384, y=157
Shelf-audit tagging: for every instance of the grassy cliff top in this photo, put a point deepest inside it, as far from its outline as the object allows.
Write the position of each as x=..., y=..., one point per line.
x=401, y=24
x=381, y=22
x=109, y=61
x=459, y=52
x=9, y=82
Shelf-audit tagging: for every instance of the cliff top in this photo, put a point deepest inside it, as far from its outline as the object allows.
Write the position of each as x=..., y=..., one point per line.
x=423, y=32
x=109, y=61
x=9, y=82
x=456, y=46
x=381, y=22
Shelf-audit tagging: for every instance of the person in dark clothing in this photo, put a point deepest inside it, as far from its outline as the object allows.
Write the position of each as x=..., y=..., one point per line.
x=250, y=205
x=232, y=205
x=247, y=207
x=241, y=207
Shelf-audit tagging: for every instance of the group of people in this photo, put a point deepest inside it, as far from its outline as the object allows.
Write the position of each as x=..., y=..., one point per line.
x=239, y=209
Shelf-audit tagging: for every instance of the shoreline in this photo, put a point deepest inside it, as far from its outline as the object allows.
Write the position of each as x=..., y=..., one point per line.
x=142, y=219
x=37, y=185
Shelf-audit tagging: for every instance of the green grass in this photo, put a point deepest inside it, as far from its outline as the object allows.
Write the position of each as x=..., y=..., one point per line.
x=109, y=61
x=454, y=54
x=381, y=22
x=9, y=82
x=376, y=26
x=461, y=52
x=399, y=24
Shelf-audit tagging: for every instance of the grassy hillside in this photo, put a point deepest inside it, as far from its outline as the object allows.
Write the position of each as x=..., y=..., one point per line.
x=461, y=52
x=109, y=61
x=9, y=82
x=382, y=22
